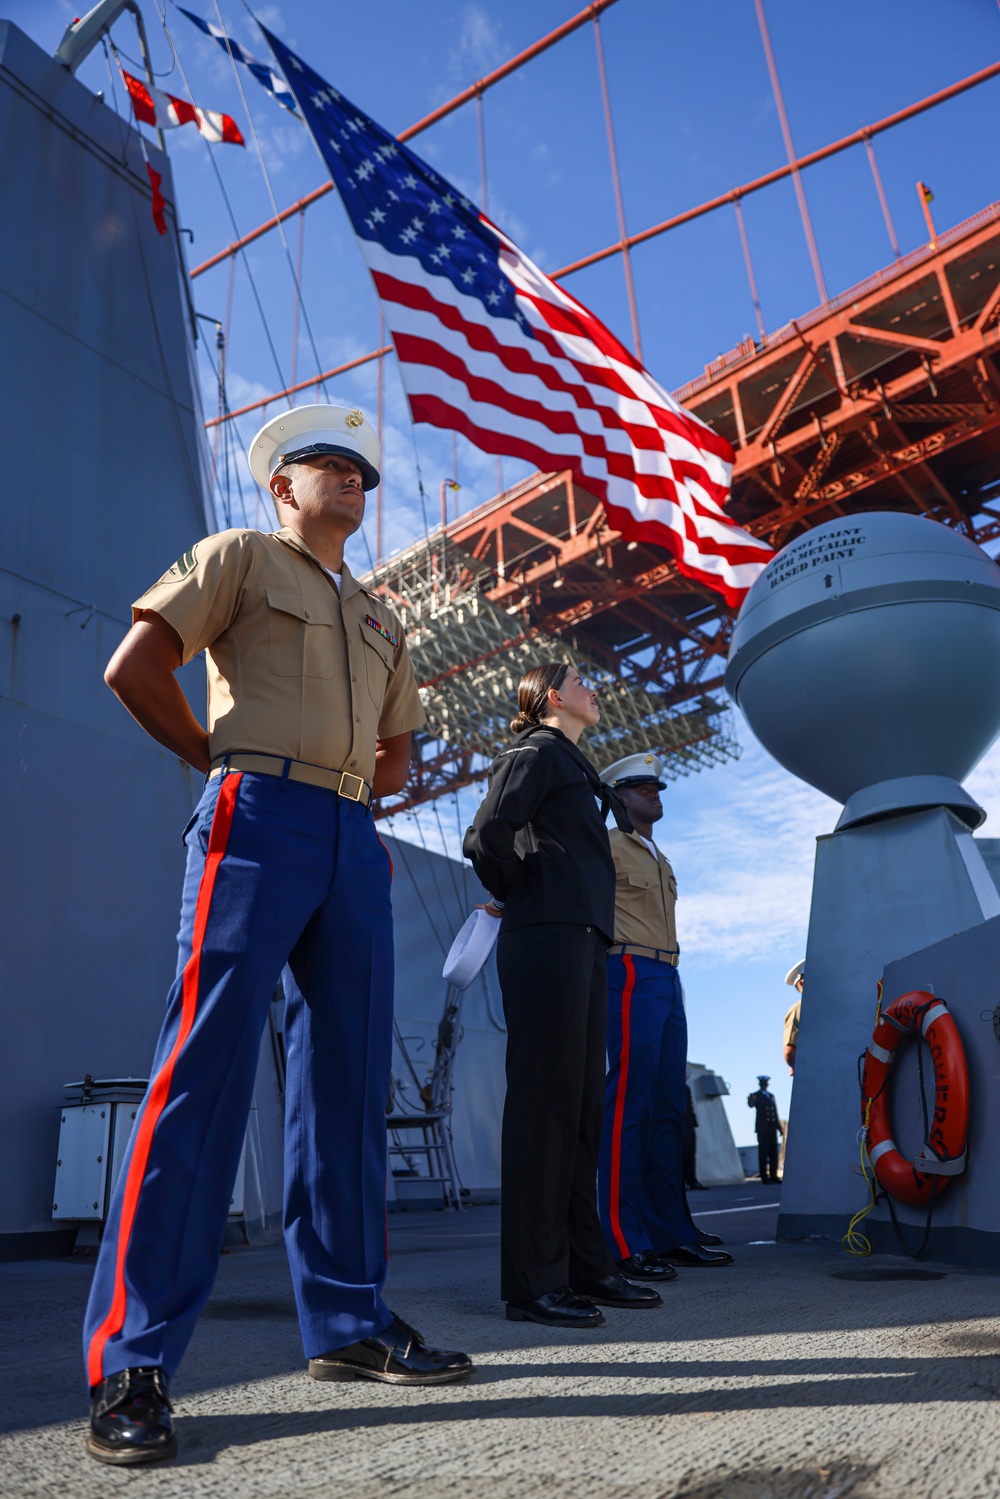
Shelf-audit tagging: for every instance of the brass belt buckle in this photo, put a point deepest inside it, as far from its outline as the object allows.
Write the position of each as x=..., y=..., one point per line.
x=349, y=775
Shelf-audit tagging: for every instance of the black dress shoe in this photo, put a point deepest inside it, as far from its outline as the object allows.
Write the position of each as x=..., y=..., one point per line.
x=398, y=1355
x=615, y=1290
x=130, y=1418
x=646, y=1266
x=698, y=1187
x=693, y=1254
x=707, y=1239
x=562, y=1308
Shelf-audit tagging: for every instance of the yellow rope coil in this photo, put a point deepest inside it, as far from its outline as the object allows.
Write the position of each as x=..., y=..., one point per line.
x=853, y=1241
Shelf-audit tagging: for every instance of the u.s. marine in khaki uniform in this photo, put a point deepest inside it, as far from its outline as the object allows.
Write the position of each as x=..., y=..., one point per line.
x=311, y=704
x=641, y=1173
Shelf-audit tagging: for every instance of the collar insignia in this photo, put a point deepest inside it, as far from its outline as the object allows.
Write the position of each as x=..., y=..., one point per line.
x=380, y=629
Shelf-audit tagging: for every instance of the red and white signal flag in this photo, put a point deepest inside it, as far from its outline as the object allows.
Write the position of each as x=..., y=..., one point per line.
x=153, y=107
x=490, y=346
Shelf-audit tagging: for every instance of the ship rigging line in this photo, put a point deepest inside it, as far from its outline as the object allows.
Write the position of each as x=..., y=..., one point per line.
x=270, y=193
x=227, y=416
x=232, y=217
x=401, y=847
x=451, y=862
x=449, y=925
x=466, y=96
x=195, y=479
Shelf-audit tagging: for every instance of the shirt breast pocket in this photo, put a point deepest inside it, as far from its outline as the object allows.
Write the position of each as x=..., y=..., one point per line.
x=379, y=664
x=299, y=644
x=642, y=893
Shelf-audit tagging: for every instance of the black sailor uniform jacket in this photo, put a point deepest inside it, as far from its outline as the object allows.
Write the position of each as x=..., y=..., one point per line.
x=539, y=841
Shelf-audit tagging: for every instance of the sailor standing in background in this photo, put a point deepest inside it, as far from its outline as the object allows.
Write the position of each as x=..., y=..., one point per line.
x=311, y=703
x=539, y=844
x=767, y=1127
x=641, y=1175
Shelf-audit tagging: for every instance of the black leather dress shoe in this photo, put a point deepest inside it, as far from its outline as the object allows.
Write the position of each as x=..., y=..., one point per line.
x=709, y=1239
x=615, y=1290
x=130, y=1418
x=694, y=1254
x=562, y=1308
x=697, y=1187
x=646, y=1266
x=398, y=1355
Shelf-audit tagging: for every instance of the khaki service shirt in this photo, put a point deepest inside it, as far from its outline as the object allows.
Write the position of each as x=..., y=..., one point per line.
x=645, y=894
x=792, y=1024
x=294, y=669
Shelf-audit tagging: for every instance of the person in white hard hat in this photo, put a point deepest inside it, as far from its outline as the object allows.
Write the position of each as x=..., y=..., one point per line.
x=644, y=1211
x=311, y=706
x=795, y=978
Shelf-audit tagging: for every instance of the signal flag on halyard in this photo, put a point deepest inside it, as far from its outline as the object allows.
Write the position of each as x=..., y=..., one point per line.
x=153, y=107
x=159, y=201
x=267, y=77
x=489, y=346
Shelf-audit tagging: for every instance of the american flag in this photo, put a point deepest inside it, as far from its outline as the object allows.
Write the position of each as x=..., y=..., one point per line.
x=491, y=347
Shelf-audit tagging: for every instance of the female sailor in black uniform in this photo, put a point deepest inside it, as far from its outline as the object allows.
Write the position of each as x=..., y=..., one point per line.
x=540, y=846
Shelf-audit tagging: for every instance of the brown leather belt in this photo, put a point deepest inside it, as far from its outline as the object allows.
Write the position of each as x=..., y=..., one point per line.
x=659, y=954
x=344, y=782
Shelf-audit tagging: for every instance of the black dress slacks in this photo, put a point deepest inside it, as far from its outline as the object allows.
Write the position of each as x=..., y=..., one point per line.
x=767, y=1155
x=553, y=978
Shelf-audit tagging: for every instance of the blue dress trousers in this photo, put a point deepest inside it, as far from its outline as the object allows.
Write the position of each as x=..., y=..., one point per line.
x=283, y=880
x=641, y=1170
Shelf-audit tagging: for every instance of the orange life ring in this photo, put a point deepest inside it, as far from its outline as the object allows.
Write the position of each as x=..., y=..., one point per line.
x=943, y=1155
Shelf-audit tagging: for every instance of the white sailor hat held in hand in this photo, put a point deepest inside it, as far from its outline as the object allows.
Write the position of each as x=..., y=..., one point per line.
x=635, y=770
x=470, y=949
x=310, y=431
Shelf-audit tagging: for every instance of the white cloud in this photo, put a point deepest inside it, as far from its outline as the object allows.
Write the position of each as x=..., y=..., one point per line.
x=478, y=46
x=742, y=839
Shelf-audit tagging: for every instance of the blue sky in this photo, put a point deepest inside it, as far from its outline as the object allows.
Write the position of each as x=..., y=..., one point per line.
x=694, y=117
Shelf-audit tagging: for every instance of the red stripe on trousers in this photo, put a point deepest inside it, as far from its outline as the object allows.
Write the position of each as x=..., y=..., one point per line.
x=389, y=857
x=616, y=1133
x=159, y=1088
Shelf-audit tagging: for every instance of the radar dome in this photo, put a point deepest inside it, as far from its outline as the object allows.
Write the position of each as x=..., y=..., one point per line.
x=867, y=655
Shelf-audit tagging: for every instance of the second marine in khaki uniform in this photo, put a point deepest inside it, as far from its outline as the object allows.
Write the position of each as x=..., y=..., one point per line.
x=641, y=1175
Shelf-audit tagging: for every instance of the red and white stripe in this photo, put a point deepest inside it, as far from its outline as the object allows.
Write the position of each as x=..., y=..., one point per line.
x=152, y=106
x=570, y=397
x=160, y=1087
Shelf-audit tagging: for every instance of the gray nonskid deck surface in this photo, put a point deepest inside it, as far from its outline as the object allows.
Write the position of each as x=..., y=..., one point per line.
x=768, y=1380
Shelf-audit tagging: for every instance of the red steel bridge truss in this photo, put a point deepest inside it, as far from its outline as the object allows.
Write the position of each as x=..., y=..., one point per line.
x=887, y=397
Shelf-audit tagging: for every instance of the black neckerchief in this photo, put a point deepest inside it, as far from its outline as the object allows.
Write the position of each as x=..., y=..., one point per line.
x=609, y=798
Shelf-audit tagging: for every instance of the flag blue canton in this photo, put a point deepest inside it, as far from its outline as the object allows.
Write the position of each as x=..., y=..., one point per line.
x=397, y=200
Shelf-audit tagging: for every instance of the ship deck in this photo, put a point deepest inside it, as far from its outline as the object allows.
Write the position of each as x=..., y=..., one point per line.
x=775, y=1378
